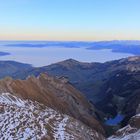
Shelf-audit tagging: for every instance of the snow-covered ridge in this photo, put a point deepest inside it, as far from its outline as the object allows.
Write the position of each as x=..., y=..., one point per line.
x=24, y=119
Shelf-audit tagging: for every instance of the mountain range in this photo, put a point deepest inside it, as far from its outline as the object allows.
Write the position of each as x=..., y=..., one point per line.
x=111, y=89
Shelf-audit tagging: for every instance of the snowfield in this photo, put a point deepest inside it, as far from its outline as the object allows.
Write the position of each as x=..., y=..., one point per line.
x=24, y=119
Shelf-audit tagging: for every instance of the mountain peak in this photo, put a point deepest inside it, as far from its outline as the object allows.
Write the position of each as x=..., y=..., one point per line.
x=70, y=61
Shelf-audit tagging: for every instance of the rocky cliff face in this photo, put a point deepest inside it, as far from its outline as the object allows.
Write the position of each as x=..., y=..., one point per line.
x=54, y=93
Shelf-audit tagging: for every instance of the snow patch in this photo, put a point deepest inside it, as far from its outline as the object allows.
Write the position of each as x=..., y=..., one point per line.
x=9, y=99
x=60, y=130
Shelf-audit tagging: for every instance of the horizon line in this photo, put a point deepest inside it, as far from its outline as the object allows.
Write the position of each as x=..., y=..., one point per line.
x=71, y=40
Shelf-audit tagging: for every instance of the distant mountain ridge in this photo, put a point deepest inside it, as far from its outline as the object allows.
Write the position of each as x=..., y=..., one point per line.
x=9, y=68
x=121, y=46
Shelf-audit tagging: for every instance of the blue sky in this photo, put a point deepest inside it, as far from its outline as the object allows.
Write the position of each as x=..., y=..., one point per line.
x=69, y=19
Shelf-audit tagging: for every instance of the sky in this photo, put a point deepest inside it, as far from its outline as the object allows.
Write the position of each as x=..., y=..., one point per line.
x=74, y=20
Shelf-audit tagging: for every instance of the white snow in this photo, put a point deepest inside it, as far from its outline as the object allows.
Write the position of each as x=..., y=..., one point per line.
x=60, y=129
x=23, y=119
x=138, y=115
x=9, y=99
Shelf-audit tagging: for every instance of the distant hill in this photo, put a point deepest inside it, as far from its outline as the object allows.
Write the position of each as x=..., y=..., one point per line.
x=9, y=68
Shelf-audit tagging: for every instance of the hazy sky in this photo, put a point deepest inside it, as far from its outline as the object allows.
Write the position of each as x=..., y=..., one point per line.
x=69, y=19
